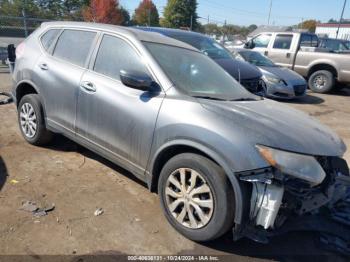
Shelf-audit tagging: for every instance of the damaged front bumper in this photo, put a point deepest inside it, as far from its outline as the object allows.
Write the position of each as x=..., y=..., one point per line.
x=280, y=203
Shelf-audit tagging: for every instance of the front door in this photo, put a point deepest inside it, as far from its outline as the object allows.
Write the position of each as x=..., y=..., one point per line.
x=113, y=117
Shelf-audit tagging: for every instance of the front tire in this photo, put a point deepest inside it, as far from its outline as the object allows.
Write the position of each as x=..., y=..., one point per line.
x=31, y=120
x=196, y=197
x=321, y=81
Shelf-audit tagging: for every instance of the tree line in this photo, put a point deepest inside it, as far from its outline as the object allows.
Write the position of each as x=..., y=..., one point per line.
x=177, y=14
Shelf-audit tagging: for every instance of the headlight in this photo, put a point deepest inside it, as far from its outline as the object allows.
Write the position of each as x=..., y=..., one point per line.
x=273, y=79
x=300, y=166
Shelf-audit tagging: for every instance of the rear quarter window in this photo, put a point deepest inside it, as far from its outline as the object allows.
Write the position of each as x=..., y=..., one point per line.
x=48, y=38
x=74, y=46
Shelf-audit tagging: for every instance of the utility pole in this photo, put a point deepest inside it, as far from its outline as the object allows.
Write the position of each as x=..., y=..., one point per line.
x=191, y=23
x=208, y=19
x=341, y=18
x=224, y=35
x=301, y=24
x=268, y=20
x=24, y=18
x=149, y=17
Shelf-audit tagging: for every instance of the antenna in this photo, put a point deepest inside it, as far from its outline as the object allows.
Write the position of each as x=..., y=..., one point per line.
x=239, y=75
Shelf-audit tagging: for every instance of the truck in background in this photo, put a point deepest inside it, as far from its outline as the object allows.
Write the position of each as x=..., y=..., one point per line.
x=301, y=53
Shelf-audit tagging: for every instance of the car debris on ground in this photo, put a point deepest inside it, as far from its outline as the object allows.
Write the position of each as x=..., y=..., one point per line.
x=98, y=212
x=7, y=100
x=35, y=209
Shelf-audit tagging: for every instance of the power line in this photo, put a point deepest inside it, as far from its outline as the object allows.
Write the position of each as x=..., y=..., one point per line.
x=245, y=12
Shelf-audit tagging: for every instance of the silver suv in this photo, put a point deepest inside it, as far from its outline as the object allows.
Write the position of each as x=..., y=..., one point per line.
x=218, y=156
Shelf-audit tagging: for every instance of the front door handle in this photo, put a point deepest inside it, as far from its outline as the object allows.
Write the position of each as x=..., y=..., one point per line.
x=288, y=55
x=44, y=66
x=88, y=86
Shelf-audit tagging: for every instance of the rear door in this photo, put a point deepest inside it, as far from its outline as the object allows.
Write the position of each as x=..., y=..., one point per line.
x=117, y=119
x=61, y=68
x=282, y=49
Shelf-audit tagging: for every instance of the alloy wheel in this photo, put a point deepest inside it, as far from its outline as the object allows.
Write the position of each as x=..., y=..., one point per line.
x=189, y=198
x=28, y=120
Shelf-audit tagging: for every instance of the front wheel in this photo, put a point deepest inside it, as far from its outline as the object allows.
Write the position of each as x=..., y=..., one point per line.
x=196, y=197
x=321, y=81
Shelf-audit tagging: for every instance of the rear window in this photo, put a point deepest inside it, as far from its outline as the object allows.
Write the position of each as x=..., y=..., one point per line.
x=49, y=37
x=74, y=46
x=283, y=42
x=308, y=40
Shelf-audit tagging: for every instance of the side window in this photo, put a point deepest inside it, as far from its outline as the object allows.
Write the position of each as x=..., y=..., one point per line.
x=283, y=42
x=114, y=55
x=48, y=38
x=262, y=40
x=309, y=40
x=314, y=41
x=74, y=46
x=305, y=40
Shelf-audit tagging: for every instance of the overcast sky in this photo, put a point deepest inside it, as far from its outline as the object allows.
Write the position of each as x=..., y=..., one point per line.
x=246, y=12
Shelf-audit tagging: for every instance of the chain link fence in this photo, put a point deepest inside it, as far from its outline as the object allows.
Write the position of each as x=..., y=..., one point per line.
x=18, y=27
x=13, y=30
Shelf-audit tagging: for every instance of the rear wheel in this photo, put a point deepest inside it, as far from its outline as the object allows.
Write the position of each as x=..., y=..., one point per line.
x=196, y=197
x=31, y=120
x=321, y=81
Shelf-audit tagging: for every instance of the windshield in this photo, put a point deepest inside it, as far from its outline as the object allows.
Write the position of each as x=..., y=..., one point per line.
x=207, y=45
x=256, y=58
x=196, y=74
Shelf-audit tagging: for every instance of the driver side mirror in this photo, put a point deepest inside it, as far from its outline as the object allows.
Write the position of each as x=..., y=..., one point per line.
x=249, y=45
x=136, y=79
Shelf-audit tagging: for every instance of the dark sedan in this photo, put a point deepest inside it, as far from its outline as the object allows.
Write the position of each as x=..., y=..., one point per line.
x=248, y=75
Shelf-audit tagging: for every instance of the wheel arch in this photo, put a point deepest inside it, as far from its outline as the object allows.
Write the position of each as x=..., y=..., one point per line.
x=323, y=66
x=173, y=148
x=23, y=88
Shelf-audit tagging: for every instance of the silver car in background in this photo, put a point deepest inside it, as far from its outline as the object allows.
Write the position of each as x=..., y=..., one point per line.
x=280, y=82
x=219, y=157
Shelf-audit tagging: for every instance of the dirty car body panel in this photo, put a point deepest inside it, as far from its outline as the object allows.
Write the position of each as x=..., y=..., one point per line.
x=240, y=132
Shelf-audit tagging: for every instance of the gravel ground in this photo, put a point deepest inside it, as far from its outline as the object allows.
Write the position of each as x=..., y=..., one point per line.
x=78, y=182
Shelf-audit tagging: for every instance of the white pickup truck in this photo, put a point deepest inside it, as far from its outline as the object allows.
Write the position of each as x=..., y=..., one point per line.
x=300, y=52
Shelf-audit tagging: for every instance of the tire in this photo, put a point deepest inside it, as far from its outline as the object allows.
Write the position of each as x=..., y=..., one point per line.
x=326, y=81
x=32, y=105
x=221, y=217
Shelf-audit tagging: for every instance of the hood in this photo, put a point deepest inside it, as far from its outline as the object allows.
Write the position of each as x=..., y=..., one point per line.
x=233, y=66
x=272, y=124
x=284, y=73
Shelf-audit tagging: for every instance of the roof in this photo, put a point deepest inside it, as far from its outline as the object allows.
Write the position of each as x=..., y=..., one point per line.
x=267, y=28
x=127, y=31
x=333, y=25
x=169, y=31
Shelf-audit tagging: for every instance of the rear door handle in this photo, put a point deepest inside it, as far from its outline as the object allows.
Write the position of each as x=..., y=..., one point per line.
x=266, y=53
x=88, y=86
x=44, y=67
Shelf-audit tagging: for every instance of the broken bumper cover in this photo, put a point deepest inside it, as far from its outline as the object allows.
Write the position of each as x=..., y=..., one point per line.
x=280, y=203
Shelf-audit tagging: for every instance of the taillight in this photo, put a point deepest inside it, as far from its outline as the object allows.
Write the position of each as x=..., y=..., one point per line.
x=20, y=50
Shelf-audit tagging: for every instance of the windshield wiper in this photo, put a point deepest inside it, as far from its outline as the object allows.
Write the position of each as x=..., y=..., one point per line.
x=210, y=97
